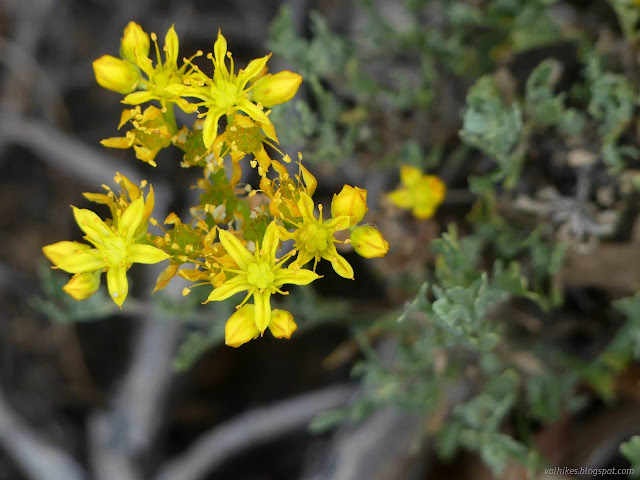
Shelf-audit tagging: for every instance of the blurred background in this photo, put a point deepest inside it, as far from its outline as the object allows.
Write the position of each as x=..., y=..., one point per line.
x=526, y=109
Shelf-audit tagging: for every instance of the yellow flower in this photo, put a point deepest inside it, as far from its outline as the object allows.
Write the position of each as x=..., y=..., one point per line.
x=368, y=242
x=261, y=274
x=241, y=137
x=114, y=249
x=314, y=237
x=351, y=201
x=271, y=90
x=115, y=74
x=150, y=133
x=420, y=193
x=284, y=191
x=226, y=93
x=161, y=77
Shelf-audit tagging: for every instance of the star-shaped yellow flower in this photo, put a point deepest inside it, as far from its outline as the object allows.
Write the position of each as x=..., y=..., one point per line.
x=420, y=193
x=226, y=93
x=314, y=237
x=115, y=249
x=260, y=273
x=163, y=75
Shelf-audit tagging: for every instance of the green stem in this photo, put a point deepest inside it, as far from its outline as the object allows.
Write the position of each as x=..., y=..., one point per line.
x=170, y=117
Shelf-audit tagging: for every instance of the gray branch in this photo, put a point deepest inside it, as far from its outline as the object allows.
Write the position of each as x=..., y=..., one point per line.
x=250, y=429
x=37, y=458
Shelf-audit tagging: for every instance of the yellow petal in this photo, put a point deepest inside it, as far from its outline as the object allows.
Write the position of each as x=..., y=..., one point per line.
x=210, y=127
x=235, y=249
x=132, y=189
x=270, y=241
x=117, y=142
x=130, y=220
x=338, y=262
x=228, y=289
x=410, y=175
x=139, y=253
x=282, y=324
x=262, y=310
x=400, y=198
x=253, y=111
x=270, y=131
x=305, y=205
x=85, y=261
x=263, y=158
x=220, y=55
x=422, y=212
x=236, y=173
x=165, y=276
x=100, y=198
x=148, y=204
x=309, y=180
x=303, y=258
x=241, y=327
x=253, y=69
x=294, y=276
x=60, y=250
x=339, y=223
x=92, y=225
x=171, y=45
x=136, y=98
x=118, y=284
x=83, y=285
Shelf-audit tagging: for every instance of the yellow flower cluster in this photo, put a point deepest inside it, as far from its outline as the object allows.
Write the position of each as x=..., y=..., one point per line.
x=234, y=241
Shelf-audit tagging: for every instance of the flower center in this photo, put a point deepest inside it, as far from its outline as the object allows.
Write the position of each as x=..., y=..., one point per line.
x=260, y=275
x=226, y=95
x=114, y=251
x=314, y=237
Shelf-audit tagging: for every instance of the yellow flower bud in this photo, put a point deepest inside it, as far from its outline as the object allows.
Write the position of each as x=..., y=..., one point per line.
x=275, y=89
x=282, y=324
x=241, y=327
x=368, y=242
x=83, y=285
x=352, y=202
x=116, y=74
x=134, y=41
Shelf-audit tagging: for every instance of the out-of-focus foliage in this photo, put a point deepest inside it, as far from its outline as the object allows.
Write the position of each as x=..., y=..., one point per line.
x=631, y=450
x=539, y=141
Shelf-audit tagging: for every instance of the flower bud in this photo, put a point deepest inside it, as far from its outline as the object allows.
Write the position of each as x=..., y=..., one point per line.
x=134, y=41
x=275, y=89
x=368, y=242
x=352, y=202
x=241, y=327
x=281, y=324
x=83, y=285
x=115, y=74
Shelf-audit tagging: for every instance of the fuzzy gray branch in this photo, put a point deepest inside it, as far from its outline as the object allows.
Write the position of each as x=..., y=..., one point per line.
x=37, y=458
x=249, y=429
